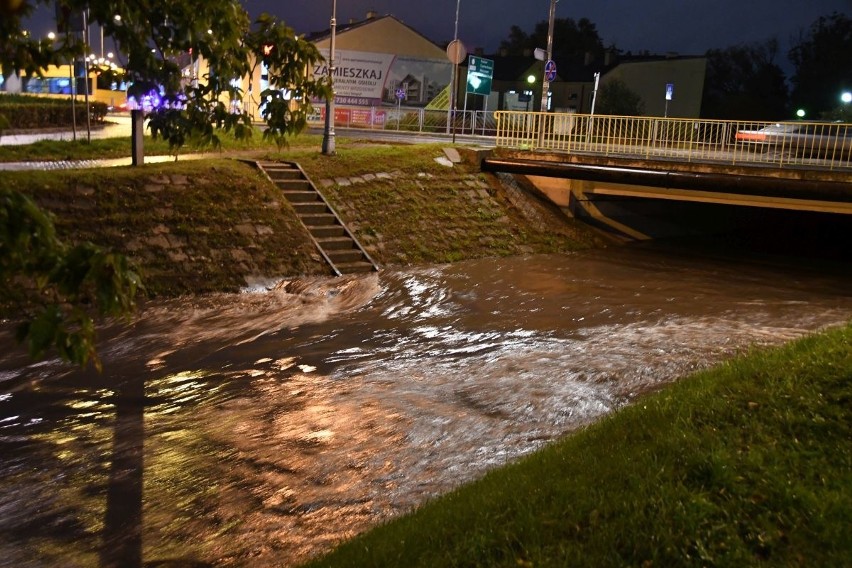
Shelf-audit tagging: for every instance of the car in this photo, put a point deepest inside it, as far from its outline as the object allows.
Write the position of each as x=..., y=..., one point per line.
x=814, y=139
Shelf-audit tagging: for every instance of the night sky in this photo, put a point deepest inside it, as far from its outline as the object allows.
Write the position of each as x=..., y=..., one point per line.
x=685, y=26
x=689, y=27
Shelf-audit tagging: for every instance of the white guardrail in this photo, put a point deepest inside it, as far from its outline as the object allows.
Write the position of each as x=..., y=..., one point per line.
x=823, y=144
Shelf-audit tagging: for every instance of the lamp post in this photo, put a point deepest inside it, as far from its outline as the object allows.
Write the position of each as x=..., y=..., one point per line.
x=451, y=113
x=328, y=132
x=545, y=84
x=530, y=82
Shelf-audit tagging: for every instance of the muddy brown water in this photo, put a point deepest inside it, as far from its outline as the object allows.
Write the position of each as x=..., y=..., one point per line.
x=259, y=429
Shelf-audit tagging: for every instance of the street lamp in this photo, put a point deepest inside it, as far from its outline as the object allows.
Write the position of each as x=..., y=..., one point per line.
x=846, y=97
x=455, y=55
x=328, y=132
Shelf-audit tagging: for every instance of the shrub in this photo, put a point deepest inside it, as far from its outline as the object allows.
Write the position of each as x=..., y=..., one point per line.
x=25, y=112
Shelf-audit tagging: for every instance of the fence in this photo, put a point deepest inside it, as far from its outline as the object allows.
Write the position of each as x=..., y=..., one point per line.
x=735, y=142
x=411, y=119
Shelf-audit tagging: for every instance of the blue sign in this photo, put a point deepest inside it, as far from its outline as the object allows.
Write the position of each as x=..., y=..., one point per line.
x=669, y=91
x=550, y=70
x=400, y=93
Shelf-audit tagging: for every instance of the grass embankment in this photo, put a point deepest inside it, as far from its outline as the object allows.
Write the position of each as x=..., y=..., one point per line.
x=109, y=148
x=747, y=464
x=191, y=227
x=80, y=149
x=217, y=224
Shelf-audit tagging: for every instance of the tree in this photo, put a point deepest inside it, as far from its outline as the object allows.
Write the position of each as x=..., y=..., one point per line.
x=19, y=52
x=54, y=290
x=153, y=36
x=743, y=82
x=219, y=32
x=823, y=65
x=616, y=98
x=285, y=57
x=571, y=40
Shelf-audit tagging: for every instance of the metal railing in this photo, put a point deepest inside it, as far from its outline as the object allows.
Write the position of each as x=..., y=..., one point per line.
x=413, y=119
x=820, y=144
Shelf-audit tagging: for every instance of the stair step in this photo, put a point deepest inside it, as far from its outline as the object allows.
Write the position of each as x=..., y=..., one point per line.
x=336, y=243
x=310, y=207
x=293, y=184
x=318, y=219
x=326, y=231
x=277, y=175
x=278, y=166
x=344, y=256
x=301, y=196
x=354, y=267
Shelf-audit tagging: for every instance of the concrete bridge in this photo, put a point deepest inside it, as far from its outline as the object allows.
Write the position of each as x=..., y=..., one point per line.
x=673, y=160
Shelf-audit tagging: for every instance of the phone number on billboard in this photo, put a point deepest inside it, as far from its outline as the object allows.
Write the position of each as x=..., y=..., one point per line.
x=356, y=101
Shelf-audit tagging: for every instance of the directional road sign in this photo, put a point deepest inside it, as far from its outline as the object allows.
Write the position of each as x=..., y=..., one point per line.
x=480, y=71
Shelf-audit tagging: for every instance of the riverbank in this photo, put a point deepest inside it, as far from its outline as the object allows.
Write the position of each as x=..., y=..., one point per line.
x=742, y=465
x=745, y=464
x=218, y=225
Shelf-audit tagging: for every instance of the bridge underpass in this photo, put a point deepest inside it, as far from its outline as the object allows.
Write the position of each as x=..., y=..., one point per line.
x=649, y=199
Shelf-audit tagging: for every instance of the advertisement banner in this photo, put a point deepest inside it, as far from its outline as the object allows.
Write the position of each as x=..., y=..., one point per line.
x=371, y=79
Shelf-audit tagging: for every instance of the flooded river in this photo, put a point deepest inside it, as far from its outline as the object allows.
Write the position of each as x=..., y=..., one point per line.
x=261, y=428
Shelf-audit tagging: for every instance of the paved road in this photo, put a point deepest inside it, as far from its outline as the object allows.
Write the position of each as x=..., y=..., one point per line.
x=116, y=126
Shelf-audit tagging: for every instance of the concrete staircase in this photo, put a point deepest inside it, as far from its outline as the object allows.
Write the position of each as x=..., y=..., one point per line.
x=339, y=247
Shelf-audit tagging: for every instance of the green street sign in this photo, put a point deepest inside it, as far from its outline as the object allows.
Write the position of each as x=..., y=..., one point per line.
x=479, y=74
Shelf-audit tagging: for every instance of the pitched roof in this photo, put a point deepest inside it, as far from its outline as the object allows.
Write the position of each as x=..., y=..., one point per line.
x=343, y=28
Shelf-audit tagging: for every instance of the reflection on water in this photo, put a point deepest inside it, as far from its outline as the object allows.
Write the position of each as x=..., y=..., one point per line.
x=258, y=429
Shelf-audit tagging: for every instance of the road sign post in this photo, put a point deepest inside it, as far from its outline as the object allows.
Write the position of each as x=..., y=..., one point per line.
x=456, y=51
x=480, y=72
x=669, y=96
x=545, y=82
x=400, y=94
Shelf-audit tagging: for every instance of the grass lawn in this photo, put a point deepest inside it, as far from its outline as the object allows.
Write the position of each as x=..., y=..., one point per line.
x=747, y=464
x=108, y=148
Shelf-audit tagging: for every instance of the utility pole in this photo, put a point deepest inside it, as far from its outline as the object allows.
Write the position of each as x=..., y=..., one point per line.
x=328, y=132
x=545, y=84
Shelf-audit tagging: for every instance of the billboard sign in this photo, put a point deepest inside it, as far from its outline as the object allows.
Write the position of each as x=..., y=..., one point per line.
x=480, y=71
x=364, y=78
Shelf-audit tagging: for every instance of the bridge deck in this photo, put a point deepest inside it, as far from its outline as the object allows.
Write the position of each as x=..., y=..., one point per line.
x=804, y=190
x=791, y=145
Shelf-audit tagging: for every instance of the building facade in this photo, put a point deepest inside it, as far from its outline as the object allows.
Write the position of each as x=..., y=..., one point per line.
x=381, y=63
